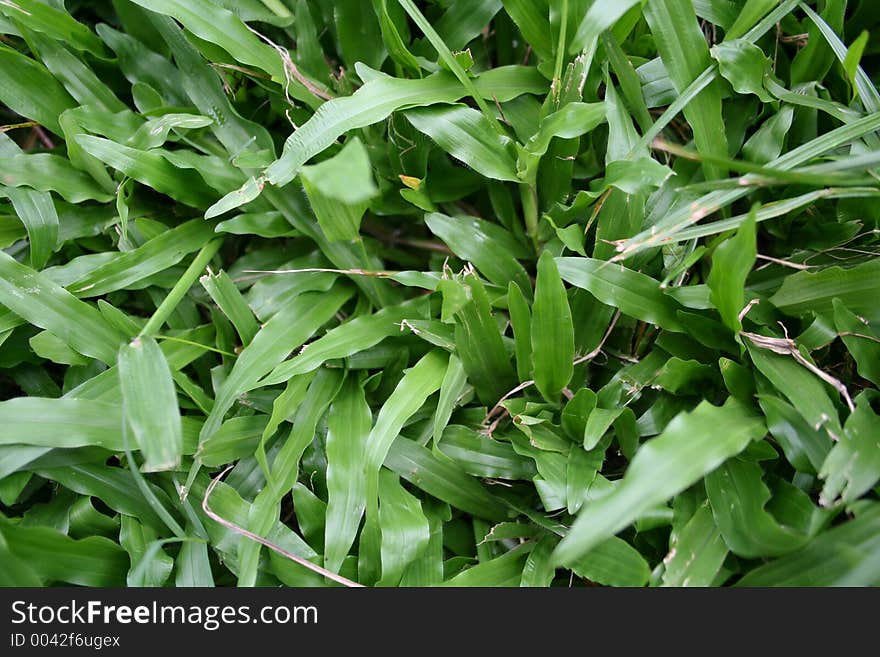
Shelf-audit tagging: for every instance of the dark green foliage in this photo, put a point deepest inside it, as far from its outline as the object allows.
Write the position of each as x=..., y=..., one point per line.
x=466, y=292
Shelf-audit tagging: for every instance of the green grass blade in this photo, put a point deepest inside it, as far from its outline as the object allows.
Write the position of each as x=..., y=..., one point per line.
x=348, y=427
x=732, y=261
x=635, y=294
x=150, y=403
x=404, y=527
x=91, y=561
x=288, y=329
x=443, y=479
x=552, y=331
x=47, y=172
x=852, y=467
x=815, y=291
x=55, y=23
x=29, y=89
x=354, y=336
x=601, y=16
x=868, y=93
x=468, y=136
x=37, y=212
x=162, y=252
x=34, y=297
x=698, y=553
x=683, y=49
x=826, y=560
x=150, y=169
x=230, y=301
x=339, y=190
x=691, y=446
x=738, y=497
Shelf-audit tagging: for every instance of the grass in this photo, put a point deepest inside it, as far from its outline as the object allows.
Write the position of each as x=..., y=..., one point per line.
x=469, y=293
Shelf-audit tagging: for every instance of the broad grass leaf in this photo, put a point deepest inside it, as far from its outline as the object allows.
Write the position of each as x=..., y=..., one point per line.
x=521, y=322
x=443, y=479
x=358, y=33
x=394, y=30
x=532, y=17
x=802, y=388
x=237, y=437
x=55, y=23
x=635, y=294
x=453, y=387
x=150, y=565
x=552, y=331
x=464, y=20
x=867, y=90
x=91, y=561
x=34, y=297
x=156, y=255
x=601, y=16
x=751, y=13
x=738, y=497
x=468, y=136
x=348, y=339
x=115, y=487
x=193, y=568
x=231, y=302
x=831, y=558
x=538, y=570
x=698, y=553
x=264, y=224
x=373, y=102
x=288, y=329
x=855, y=287
x=263, y=515
x=47, y=172
x=639, y=176
x=572, y=120
x=767, y=142
x=622, y=136
x=744, y=65
x=404, y=527
x=29, y=89
x=78, y=79
x=503, y=571
x=17, y=571
x=348, y=427
x=732, y=261
x=854, y=55
x=691, y=446
x=628, y=79
x=805, y=447
x=493, y=250
x=150, y=403
x=861, y=341
x=151, y=169
x=339, y=190
x=481, y=457
x=683, y=50
x=211, y=22
x=614, y=562
x=417, y=384
x=376, y=101
x=853, y=465
x=480, y=347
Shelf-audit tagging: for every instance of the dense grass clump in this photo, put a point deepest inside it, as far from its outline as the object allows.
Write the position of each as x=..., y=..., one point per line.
x=467, y=292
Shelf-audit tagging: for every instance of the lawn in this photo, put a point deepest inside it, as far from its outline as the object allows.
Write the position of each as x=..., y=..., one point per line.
x=450, y=292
